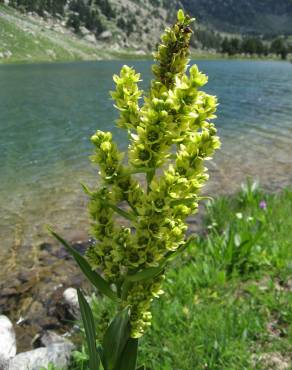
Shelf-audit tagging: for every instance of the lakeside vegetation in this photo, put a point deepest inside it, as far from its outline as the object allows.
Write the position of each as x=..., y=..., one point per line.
x=227, y=302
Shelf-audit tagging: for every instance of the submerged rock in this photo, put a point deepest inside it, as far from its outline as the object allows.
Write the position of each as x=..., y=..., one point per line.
x=7, y=340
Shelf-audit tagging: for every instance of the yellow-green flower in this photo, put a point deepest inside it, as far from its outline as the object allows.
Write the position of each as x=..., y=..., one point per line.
x=155, y=186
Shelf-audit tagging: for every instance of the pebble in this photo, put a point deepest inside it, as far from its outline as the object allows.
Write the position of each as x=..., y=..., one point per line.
x=71, y=300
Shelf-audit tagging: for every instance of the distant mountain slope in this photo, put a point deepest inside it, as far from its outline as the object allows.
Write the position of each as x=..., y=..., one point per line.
x=26, y=38
x=34, y=31
x=270, y=17
x=128, y=23
x=47, y=30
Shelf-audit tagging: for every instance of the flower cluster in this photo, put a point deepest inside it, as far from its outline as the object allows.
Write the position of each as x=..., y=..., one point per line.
x=126, y=97
x=171, y=135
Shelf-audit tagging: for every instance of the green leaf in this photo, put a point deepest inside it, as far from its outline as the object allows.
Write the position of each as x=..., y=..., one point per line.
x=91, y=275
x=89, y=327
x=128, y=359
x=86, y=189
x=187, y=201
x=115, y=339
x=127, y=215
x=100, y=353
x=145, y=274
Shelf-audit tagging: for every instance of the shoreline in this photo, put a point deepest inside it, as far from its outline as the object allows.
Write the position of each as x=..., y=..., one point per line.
x=109, y=55
x=32, y=296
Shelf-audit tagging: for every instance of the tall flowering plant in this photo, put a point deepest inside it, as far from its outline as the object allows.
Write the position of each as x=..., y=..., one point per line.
x=170, y=137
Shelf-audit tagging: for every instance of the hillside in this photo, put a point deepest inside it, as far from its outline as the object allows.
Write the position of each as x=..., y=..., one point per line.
x=266, y=17
x=57, y=30
x=80, y=29
x=26, y=38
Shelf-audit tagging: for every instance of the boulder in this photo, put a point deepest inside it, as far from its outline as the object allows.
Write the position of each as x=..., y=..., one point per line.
x=90, y=38
x=105, y=35
x=46, y=14
x=51, y=53
x=7, y=54
x=48, y=338
x=7, y=339
x=57, y=354
x=84, y=31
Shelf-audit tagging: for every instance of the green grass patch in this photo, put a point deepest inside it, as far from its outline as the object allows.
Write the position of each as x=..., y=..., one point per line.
x=227, y=302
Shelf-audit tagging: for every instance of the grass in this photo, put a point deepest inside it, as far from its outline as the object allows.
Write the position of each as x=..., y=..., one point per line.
x=227, y=302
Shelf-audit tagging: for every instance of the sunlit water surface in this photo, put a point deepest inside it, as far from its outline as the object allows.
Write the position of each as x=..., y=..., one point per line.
x=49, y=111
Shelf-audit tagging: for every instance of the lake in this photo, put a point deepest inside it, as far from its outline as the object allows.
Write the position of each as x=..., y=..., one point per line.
x=49, y=111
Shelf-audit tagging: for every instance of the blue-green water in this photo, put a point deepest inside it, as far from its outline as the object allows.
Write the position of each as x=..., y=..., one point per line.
x=48, y=113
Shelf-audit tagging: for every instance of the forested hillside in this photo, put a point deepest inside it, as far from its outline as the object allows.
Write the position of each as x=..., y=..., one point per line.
x=129, y=23
x=39, y=29
x=268, y=17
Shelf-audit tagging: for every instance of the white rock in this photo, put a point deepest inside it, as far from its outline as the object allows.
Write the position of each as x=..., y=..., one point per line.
x=58, y=16
x=71, y=300
x=7, y=54
x=46, y=14
x=105, y=35
x=49, y=338
x=84, y=31
x=51, y=53
x=58, y=354
x=90, y=38
x=7, y=339
x=58, y=28
x=140, y=52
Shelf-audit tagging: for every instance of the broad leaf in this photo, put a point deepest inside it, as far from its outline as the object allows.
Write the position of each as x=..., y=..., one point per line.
x=100, y=353
x=89, y=327
x=91, y=275
x=128, y=358
x=146, y=274
x=115, y=339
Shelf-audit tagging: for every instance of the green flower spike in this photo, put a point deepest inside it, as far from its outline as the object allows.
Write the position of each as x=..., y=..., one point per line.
x=174, y=114
x=154, y=188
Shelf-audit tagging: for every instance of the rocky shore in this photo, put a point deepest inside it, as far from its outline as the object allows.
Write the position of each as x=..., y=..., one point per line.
x=39, y=307
x=33, y=298
x=37, y=310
